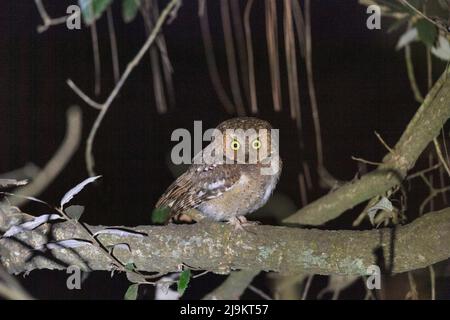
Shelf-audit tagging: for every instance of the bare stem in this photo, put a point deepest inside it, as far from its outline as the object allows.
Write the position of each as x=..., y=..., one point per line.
x=113, y=44
x=165, y=14
x=311, y=86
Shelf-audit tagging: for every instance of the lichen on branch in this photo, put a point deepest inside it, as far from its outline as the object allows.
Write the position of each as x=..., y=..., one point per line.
x=219, y=248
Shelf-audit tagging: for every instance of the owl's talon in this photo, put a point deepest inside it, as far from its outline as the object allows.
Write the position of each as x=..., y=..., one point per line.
x=241, y=222
x=244, y=222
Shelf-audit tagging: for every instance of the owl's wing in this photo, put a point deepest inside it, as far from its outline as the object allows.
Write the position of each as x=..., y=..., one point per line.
x=200, y=183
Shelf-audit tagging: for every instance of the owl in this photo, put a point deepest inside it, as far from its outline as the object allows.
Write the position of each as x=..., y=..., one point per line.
x=237, y=180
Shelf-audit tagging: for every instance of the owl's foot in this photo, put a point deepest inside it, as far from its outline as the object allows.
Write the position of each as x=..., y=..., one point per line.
x=240, y=222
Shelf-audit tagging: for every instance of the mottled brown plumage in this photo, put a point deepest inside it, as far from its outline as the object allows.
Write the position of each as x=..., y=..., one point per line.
x=227, y=191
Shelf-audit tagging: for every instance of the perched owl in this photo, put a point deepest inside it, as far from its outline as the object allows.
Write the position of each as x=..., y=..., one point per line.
x=239, y=179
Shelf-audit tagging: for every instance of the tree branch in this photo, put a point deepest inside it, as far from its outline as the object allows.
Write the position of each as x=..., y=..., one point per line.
x=219, y=248
x=422, y=129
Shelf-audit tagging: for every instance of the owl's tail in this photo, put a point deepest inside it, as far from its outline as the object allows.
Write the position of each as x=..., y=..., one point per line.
x=169, y=203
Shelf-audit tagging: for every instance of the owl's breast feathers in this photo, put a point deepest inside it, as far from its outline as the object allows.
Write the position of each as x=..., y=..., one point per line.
x=198, y=184
x=220, y=191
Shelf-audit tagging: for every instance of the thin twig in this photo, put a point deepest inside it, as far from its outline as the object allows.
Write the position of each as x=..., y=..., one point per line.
x=272, y=47
x=28, y=171
x=10, y=288
x=259, y=292
x=419, y=98
x=363, y=213
x=441, y=156
x=6, y=183
x=131, y=65
x=433, y=282
x=201, y=274
x=366, y=161
x=97, y=61
x=311, y=87
x=299, y=26
x=434, y=192
x=291, y=65
x=234, y=286
x=165, y=60
x=158, y=87
x=431, y=178
x=113, y=45
x=307, y=286
x=211, y=60
x=411, y=76
x=48, y=22
x=429, y=69
x=421, y=172
x=215, y=259
x=407, y=4
x=435, y=140
x=384, y=143
x=236, y=19
x=412, y=293
x=231, y=58
x=83, y=96
x=250, y=58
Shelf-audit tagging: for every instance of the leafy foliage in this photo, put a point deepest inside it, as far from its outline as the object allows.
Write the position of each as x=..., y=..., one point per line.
x=427, y=32
x=160, y=215
x=130, y=266
x=130, y=9
x=132, y=292
x=427, y=22
x=93, y=9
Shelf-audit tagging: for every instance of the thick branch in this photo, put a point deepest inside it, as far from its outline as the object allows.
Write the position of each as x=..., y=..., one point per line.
x=422, y=129
x=219, y=248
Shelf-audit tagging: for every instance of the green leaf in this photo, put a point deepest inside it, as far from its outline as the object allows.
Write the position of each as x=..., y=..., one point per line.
x=161, y=215
x=74, y=211
x=93, y=9
x=132, y=292
x=130, y=9
x=427, y=32
x=130, y=266
x=183, y=281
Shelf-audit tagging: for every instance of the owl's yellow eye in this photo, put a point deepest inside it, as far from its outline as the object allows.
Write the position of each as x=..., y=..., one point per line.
x=235, y=145
x=256, y=144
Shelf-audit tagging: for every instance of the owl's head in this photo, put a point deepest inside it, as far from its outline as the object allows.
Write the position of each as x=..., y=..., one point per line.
x=247, y=140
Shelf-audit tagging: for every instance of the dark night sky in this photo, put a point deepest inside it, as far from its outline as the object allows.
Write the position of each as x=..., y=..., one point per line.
x=361, y=85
